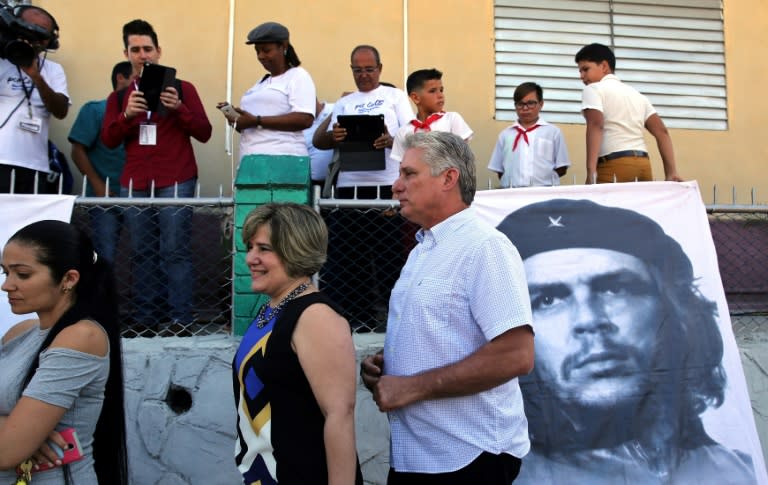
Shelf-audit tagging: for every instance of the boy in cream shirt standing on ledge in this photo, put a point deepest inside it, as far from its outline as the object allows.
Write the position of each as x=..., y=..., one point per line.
x=616, y=115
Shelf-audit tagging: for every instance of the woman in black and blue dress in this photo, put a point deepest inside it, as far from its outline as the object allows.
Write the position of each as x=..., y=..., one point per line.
x=295, y=371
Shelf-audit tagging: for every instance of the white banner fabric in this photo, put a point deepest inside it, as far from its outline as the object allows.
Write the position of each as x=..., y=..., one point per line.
x=590, y=434
x=16, y=211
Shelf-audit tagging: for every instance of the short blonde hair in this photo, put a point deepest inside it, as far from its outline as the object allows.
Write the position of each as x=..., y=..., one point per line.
x=298, y=236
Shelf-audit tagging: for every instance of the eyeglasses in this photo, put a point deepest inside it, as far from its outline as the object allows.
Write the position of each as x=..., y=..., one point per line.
x=367, y=70
x=526, y=104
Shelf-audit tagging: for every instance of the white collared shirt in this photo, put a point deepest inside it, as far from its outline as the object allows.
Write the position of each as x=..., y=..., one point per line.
x=532, y=163
x=451, y=122
x=19, y=147
x=463, y=285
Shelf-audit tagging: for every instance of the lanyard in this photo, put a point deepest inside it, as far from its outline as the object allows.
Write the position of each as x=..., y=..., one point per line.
x=27, y=94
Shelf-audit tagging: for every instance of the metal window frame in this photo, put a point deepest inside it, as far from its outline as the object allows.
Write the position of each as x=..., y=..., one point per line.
x=671, y=51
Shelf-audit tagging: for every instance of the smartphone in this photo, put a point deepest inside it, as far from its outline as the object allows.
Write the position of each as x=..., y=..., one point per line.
x=229, y=111
x=154, y=79
x=73, y=452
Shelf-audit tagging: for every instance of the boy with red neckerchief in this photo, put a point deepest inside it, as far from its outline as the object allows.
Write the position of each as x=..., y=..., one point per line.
x=531, y=152
x=425, y=88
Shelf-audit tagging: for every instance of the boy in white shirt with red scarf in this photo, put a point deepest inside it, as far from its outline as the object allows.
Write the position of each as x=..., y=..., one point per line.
x=425, y=88
x=531, y=152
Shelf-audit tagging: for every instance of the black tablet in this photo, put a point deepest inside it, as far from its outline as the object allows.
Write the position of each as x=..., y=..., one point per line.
x=362, y=128
x=356, y=152
x=154, y=79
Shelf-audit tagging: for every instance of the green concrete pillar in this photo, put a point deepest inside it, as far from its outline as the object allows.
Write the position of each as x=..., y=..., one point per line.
x=261, y=179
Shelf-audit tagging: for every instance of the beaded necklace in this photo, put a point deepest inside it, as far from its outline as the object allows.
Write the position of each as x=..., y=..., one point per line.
x=262, y=318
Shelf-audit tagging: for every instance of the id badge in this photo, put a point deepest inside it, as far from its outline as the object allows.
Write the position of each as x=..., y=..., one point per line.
x=31, y=124
x=148, y=134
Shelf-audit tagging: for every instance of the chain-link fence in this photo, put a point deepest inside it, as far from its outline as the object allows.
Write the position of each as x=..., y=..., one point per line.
x=370, y=241
x=740, y=234
x=368, y=245
x=172, y=259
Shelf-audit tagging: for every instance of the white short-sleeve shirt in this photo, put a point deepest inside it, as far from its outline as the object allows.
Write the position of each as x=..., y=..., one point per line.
x=532, y=163
x=19, y=147
x=624, y=110
x=291, y=92
x=451, y=122
x=394, y=105
x=463, y=285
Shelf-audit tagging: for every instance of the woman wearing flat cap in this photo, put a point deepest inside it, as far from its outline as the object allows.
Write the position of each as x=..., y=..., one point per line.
x=273, y=113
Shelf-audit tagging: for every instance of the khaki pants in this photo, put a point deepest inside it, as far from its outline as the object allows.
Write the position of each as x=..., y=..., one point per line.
x=626, y=169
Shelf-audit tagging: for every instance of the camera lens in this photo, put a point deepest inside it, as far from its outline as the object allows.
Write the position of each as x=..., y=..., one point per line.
x=19, y=53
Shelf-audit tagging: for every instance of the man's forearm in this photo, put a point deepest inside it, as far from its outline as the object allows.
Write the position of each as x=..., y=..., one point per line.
x=594, y=139
x=115, y=126
x=664, y=144
x=498, y=361
x=83, y=163
x=507, y=356
x=656, y=126
x=56, y=103
x=323, y=140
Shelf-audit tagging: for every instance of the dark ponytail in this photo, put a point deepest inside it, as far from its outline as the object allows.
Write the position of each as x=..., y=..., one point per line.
x=291, y=57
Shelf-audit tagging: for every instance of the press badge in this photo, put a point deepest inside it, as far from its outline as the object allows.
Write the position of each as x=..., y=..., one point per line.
x=148, y=134
x=31, y=124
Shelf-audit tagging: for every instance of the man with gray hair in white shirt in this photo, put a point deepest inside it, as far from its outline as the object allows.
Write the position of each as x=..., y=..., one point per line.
x=459, y=331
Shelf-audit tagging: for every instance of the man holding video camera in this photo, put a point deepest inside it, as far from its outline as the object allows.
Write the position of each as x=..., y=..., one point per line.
x=33, y=88
x=159, y=162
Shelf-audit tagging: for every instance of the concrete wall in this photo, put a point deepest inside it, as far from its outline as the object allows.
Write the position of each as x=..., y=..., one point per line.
x=455, y=36
x=173, y=441
x=181, y=412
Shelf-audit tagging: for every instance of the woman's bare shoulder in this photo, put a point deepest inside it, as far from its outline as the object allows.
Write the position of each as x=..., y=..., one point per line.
x=84, y=336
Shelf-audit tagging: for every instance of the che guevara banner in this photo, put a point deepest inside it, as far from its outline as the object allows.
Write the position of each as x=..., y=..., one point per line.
x=637, y=376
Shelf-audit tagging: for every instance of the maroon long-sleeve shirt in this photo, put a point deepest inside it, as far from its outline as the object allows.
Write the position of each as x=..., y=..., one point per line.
x=172, y=159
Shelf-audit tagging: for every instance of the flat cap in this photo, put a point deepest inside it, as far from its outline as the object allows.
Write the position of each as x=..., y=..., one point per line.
x=268, y=32
x=567, y=223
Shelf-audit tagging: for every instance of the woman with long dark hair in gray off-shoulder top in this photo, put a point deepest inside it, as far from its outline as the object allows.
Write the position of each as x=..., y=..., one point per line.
x=63, y=369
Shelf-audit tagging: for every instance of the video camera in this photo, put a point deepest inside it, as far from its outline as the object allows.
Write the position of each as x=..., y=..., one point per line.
x=17, y=36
